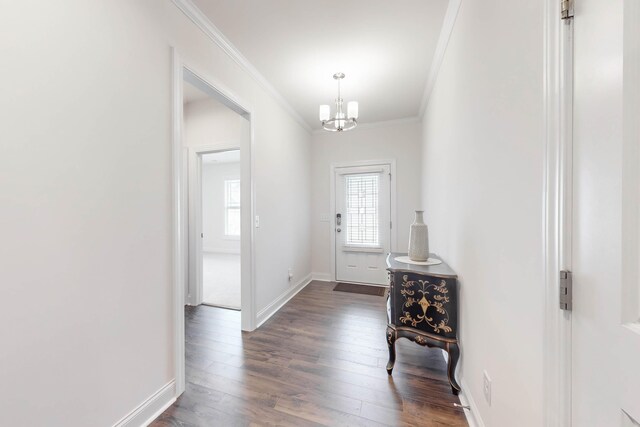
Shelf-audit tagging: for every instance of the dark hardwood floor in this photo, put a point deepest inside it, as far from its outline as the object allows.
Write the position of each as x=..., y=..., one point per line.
x=319, y=361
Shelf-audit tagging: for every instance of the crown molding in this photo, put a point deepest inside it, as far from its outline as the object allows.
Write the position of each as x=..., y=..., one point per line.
x=210, y=30
x=438, y=56
x=375, y=125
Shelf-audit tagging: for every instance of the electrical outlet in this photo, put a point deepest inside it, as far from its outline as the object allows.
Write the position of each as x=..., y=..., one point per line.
x=486, y=387
x=290, y=275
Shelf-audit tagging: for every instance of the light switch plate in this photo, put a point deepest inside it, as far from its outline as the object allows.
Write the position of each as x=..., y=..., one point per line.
x=324, y=217
x=486, y=387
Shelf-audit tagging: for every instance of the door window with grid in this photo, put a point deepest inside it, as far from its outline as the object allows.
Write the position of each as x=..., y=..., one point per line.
x=362, y=210
x=232, y=208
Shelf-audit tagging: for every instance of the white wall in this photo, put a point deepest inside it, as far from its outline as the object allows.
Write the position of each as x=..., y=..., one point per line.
x=482, y=183
x=213, y=213
x=207, y=122
x=399, y=141
x=86, y=197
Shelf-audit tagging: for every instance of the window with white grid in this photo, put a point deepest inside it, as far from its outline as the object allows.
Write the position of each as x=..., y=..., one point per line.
x=232, y=207
x=362, y=210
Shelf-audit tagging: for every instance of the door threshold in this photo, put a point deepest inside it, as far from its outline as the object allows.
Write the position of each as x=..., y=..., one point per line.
x=226, y=307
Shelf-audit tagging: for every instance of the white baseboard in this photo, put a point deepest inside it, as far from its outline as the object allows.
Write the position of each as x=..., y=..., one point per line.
x=323, y=277
x=271, y=309
x=151, y=408
x=466, y=399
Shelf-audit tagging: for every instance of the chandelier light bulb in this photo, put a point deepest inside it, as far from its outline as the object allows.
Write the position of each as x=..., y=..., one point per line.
x=325, y=113
x=352, y=109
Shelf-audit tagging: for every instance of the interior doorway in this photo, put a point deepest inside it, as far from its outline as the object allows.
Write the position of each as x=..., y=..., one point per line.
x=212, y=135
x=220, y=195
x=186, y=154
x=217, y=198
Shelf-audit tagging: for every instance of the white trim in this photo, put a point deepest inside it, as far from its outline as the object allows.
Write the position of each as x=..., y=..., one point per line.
x=180, y=252
x=380, y=124
x=248, y=293
x=466, y=399
x=438, y=56
x=332, y=202
x=217, y=90
x=322, y=277
x=208, y=28
x=151, y=408
x=558, y=93
x=472, y=413
x=369, y=249
x=180, y=221
x=358, y=170
x=279, y=302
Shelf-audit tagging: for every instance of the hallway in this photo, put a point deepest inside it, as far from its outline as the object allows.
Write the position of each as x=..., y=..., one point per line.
x=149, y=145
x=319, y=361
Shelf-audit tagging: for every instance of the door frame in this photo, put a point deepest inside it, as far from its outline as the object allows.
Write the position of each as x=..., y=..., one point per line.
x=195, y=285
x=180, y=208
x=332, y=202
x=557, y=211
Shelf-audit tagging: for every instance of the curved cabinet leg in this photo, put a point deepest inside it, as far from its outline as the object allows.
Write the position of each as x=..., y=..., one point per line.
x=454, y=356
x=391, y=342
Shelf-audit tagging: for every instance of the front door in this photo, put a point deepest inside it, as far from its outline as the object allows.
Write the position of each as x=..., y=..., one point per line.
x=362, y=223
x=606, y=221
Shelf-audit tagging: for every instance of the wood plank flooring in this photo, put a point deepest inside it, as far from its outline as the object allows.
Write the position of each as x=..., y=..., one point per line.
x=319, y=361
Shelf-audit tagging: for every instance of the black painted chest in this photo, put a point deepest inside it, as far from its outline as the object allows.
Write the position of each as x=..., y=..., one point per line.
x=423, y=306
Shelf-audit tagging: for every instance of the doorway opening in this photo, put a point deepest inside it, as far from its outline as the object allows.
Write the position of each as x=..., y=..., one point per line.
x=216, y=202
x=221, y=206
x=213, y=135
x=234, y=127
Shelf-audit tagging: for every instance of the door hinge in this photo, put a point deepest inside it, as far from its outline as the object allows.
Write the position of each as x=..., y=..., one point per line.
x=566, y=9
x=566, y=290
x=390, y=224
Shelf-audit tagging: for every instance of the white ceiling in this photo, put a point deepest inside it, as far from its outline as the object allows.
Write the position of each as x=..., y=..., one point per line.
x=384, y=48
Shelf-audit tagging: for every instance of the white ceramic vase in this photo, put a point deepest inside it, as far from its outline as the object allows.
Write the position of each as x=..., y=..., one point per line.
x=419, y=239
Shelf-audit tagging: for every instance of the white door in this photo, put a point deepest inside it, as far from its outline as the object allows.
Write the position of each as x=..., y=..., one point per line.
x=605, y=353
x=362, y=223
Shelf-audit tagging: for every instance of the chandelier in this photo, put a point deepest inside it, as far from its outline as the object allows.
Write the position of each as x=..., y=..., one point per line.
x=341, y=121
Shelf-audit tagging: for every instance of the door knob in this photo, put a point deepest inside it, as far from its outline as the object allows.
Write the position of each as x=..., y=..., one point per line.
x=338, y=230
